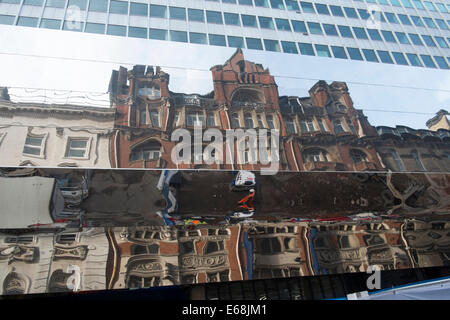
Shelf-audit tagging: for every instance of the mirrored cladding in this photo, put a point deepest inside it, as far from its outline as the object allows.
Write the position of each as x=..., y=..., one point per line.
x=142, y=257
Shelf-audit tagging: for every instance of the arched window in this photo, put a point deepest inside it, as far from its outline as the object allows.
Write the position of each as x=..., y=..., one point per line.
x=150, y=150
x=235, y=123
x=358, y=156
x=315, y=155
x=249, y=121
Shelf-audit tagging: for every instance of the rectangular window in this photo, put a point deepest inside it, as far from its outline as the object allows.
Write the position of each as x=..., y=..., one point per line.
x=177, y=13
x=418, y=4
x=299, y=26
x=73, y=25
x=322, y=50
x=119, y=7
x=136, y=32
x=55, y=3
x=50, y=24
x=196, y=15
x=98, y=5
x=404, y=19
x=231, y=19
x=33, y=2
x=400, y=58
x=388, y=36
x=217, y=40
x=82, y=4
x=27, y=22
x=441, y=23
x=9, y=20
x=154, y=117
x=345, y=32
x=391, y=17
x=210, y=120
x=116, y=30
x=428, y=41
x=277, y=4
x=414, y=60
x=442, y=7
x=253, y=43
x=290, y=126
x=441, y=42
x=430, y=23
x=441, y=62
x=417, y=21
x=261, y=3
x=249, y=21
x=292, y=5
x=289, y=47
x=407, y=3
x=314, y=28
x=398, y=162
x=158, y=34
x=178, y=36
x=214, y=17
x=415, y=39
x=307, y=7
x=360, y=33
x=330, y=29
x=430, y=6
x=306, y=49
x=339, y=52
x=395, y=3
x=236, y=42
x=158, y=11
x=246, y=2
x=138, y=9
x=33, y=145
x=322, y=8
x=385, y=57
x=363, y=14
x=283, y=24
x=370, y=55
x=199, y=38
x=354, y=54
x=272, y=45
x=95, y=28
x=336, y=11
x=76, y=148
x=428, y=61
x=374, y=34
x=402, y=38
x=350, y=13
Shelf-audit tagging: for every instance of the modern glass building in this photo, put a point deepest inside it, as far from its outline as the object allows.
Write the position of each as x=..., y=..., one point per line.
x=403, y=32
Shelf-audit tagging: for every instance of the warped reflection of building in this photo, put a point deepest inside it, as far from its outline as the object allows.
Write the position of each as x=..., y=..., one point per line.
x=157, y=256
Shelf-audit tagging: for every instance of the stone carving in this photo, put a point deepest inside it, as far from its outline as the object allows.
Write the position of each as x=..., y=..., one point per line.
x=205, y=261
x=19, y=253
x=78, y=252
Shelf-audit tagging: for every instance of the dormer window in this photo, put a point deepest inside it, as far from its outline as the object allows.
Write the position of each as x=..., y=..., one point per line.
x=149, y=92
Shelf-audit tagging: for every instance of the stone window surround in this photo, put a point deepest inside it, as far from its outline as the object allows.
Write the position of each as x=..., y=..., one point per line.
x=44, y=137
x=88, y=147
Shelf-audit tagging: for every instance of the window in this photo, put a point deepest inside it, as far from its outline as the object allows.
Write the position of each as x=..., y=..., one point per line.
x=360, y=33
x=277, y=4
x=194, y=119
x=34, y=145
x=50, y=24
x=283, y=24
x=336, y=11
x=401, y=37
x=350, y=13
x=397, y=161
x=260, y=121
x=391, y=17
x=98, y=5
x=358, y=156
x=330, y=29
x=158, y=34
x=314, y=28
x=388, y=36
x=119, y=7
x=199, y=38
x=178, y=36
x=116, y=30
x=266, y=23
x=339, y=52
x=4, y=19
x=261, y=3
x=249, y=21
x=290, y=126
x=289, y=47
x=56, y=3
x=307, y=126
x=136, y=32
x=307, y=7
x=33, y=2
x=322, y=8
x=272, y=45
x=269, y=245
x=416, y=158
x=249, y=121
x=441, y=42
x=415, y=39
x=246, y=2
x=345, y=32
x=322, y=50
x=253, y=43
x=73, y=25
x=441, y=23
x=196, y=15
x=414, y=60
x=78, y=3
x=427, y=61
x=441, y=62
x=370, y=55
x=214, y=17
x=231, y=19
x=337, y=125
x=374, y=34
x=385, y=57
x=177, y=13
x=404, y=19
x=235, y=123
x=430, y=23
x=150, y=150
x=417, y=21
x=138, y=9
x=236, y=42
x=210, y=119
x=306, y=49
x=315, y=155
x=27, y=22
x=363, y=14
x=354, y=54
x=299, y=26
x=269, y=119
x=399, y=58
x=428, y=41
x=95, y=28
x=217, y=40
x=158, y=11
x=292, y=5
x=77, y=148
